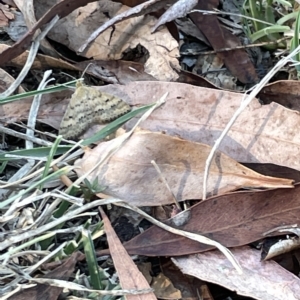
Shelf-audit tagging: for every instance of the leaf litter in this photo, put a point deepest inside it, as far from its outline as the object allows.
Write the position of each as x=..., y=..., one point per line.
x=180, y=132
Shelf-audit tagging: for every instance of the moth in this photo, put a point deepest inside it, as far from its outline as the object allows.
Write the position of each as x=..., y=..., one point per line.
x=87, y=107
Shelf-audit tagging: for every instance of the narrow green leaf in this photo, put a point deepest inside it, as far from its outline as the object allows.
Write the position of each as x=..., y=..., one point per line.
x=52, y=152
x=267, y=31
x=113, y=126
x=48, y=90
x=295, y=42
x=33, y=153
x=89, y=250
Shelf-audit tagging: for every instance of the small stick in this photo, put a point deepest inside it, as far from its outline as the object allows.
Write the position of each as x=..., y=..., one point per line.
x=166, y=183
x=24, y=136
x=236, y=48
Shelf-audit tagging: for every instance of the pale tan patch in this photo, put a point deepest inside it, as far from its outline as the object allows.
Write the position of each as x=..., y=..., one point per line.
x=89, y=106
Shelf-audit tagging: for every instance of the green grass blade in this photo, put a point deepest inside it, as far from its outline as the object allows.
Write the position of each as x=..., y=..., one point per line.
x=295, y=43
x=94, y=271
x=3, y=166
x=287, y=18
x=52, y=152
x=267, y=31
x=113, y=126
x=33, y=153
x=52, y=89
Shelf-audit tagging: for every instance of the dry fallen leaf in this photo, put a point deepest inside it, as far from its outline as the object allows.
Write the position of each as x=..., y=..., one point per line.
x=262, y=133
x=5, y=15
x=233, y=220
x=51, y=110
x=7, y=80
x=129, y=174
x=260, y=280
x=236, y=60
x=62, y=8
x=284, y=92
x=111, y=45
x=40, y=62
x=129, y=275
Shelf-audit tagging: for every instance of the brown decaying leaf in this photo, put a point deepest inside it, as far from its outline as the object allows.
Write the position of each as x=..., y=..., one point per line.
x=40, y=62
x=260, y=280
x=139, y=10
x=62, y=9
x=162, y=50
x=5, y=15
x=129, y=174
x=265, y=134
x=237, y=61
x=3, y=19
x=43, y=291
x=6, y=80
x=194, y=79
x=164, y=289
x=189, y=286
x=51, y=110
x=284, y=92
x=233, y=220
x=7, y=11
x=129, y=275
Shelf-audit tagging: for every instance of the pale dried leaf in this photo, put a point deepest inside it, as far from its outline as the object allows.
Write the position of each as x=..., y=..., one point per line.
x=129, y=275
x=164, y=289
x=51, y=110
x=260, y=280
x=7, y=12
x=129, y=174
x=261, y=134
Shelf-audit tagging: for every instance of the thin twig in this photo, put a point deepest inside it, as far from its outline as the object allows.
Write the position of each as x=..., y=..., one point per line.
x=165, y=182
x=227, y=49
x=245, y=102
x=24, y=136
